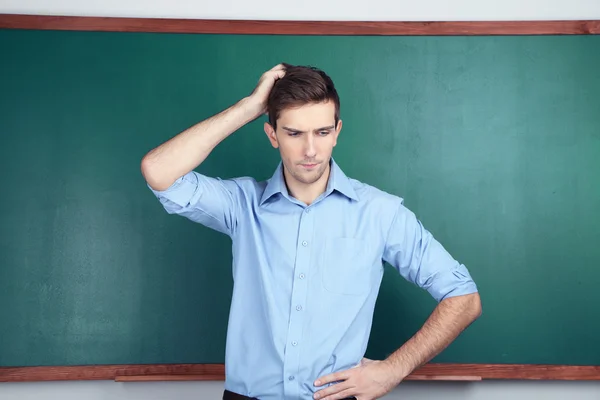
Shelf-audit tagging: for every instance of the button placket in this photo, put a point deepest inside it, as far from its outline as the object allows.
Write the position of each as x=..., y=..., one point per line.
x=299, y=296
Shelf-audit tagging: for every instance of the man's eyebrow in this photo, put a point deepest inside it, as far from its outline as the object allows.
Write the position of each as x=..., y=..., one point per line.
x=285, y=128
x=325, y=128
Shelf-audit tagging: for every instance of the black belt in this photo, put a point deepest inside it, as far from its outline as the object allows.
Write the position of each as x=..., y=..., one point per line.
x=227, y=395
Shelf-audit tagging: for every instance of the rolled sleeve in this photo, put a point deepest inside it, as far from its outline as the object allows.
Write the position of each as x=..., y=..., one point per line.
x=212, y=202
x=422, y=260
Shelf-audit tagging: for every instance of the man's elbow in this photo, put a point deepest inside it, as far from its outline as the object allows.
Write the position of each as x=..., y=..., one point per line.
x=146, y=167
x=474, y=306
x=152, y=175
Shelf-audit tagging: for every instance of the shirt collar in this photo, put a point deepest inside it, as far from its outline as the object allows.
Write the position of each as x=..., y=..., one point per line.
x=337, y=181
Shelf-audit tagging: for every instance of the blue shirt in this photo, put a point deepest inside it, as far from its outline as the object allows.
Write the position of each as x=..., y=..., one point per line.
x=306, y=278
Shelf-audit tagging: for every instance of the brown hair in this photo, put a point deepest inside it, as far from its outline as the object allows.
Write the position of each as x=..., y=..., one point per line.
x=301, y=85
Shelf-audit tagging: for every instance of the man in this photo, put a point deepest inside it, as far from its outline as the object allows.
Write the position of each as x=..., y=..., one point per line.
x=308, y=246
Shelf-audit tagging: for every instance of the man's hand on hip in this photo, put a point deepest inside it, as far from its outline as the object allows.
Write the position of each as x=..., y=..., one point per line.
x=368, y=381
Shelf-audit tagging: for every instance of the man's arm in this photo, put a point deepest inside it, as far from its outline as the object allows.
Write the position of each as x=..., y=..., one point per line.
x=450, y=317
x=374, y=379
x=422, y=260
x=162, y=166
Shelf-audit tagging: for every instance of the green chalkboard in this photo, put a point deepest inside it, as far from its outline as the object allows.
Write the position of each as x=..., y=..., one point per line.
x=493, y=141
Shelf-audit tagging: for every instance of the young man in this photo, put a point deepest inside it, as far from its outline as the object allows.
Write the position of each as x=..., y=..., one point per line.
x=308, y=246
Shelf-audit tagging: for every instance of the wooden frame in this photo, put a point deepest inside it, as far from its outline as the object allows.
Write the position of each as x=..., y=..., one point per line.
x=216, y=372
x=112, y=24
x=178, y=372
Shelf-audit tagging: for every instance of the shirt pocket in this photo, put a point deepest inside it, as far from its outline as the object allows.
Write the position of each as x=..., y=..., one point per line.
x=347, y=268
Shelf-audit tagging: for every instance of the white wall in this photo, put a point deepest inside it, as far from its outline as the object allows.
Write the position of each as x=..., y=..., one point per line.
x=107, y=390
x=428, y=10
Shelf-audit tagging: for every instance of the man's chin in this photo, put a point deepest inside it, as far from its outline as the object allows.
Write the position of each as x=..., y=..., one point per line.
x=308, y=177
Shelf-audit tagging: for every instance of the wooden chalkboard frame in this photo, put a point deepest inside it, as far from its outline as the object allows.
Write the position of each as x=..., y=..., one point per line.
x=178, y=372
x=216, y=372
x=268, y=27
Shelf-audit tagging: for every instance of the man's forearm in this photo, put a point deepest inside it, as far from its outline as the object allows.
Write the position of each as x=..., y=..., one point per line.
x=446, y=322
x=186, y=151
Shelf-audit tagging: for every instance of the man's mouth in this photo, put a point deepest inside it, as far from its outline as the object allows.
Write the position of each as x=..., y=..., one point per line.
x=309, y=166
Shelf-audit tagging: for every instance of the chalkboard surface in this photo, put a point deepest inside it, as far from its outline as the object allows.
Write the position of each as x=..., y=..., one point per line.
x=494, y=142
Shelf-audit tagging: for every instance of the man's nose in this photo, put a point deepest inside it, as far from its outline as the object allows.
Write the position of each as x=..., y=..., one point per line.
x=309, y=147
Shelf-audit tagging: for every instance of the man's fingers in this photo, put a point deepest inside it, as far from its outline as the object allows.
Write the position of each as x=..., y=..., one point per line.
x=340, y=390
x=277, y=71
x=272, y=75
x=280, y=73
x=336, y=376
x=344, y=394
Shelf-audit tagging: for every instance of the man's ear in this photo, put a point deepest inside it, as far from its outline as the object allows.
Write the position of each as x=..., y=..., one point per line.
x=270, y=132
x=338, y=128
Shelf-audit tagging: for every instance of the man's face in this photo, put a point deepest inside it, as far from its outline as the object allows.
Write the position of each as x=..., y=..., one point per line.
x=305, y=138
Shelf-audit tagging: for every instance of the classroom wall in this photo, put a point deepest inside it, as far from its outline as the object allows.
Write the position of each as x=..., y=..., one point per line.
x=424, y=10
x=318, y=10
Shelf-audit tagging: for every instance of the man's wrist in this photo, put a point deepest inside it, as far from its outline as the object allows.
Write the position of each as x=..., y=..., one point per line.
x=251, y=108
x=398, y=368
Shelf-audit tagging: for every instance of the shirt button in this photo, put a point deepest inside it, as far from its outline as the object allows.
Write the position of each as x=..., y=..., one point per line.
x=298, y=307
x=294, y=343
x=307, y=210
x=291, y=377
x=301, y=276
x=305, y=243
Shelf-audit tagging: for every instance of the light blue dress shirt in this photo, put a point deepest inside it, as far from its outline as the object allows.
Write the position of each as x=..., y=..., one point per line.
x=306, y=278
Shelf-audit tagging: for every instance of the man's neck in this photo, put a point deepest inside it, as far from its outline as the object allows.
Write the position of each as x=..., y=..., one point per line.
x=306, y=193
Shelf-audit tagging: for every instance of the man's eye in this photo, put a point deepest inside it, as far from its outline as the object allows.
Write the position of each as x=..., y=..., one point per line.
x=323, y=133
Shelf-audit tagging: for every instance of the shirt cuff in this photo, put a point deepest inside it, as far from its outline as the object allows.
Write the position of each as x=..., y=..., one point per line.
x=180, y=192
x=452, y=283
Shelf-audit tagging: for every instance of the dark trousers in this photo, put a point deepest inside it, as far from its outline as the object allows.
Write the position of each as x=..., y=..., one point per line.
x=234, y=396
x=227, y=395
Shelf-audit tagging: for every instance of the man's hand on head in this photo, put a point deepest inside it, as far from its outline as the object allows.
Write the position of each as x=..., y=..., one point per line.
x=368, y=381
x=259, y=96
